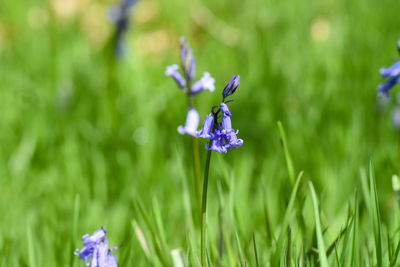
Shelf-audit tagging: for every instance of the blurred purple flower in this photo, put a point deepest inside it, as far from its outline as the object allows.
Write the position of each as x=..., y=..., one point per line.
x=392, y=74
x=383, y=88
x=173, y=72
x=119, y=15
x=188, y=68
x=192, y=121
x=205, y=83
x=95, y=248
x=187, y=59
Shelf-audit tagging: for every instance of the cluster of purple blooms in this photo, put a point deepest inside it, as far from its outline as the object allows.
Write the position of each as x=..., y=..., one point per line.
x=222, y=136
x=95, y=251
x=391, y=75
x=119, y=15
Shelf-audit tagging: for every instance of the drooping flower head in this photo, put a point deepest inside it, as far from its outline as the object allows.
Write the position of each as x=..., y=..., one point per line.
x=185, y=81
x=173, y=72
x=192, y=121
x=222, y=135
x=95, y=251
x=391, y=74
x=119, y=15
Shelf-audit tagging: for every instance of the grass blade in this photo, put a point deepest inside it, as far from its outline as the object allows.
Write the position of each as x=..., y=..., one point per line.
x=241, y=258
x=31, y=247
x=396, y=254
x=289, y=162
x=376, y=222
x=286, y=219
x=321, y=246
x=156, y=241
x=255, y=250
x=354, y=244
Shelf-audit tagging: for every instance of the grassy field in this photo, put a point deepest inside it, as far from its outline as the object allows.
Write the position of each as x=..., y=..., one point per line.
x=88, y=140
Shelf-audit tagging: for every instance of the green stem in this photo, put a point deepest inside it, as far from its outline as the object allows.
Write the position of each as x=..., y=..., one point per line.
x=204, y=210
x=196, y=165
x=196, y=162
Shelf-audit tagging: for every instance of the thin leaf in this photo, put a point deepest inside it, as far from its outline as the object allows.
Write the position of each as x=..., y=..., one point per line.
x=31, y=247
x=286, y=220
x=289, y=163
x=321, y=246
x=255, y=250
x=376, y=222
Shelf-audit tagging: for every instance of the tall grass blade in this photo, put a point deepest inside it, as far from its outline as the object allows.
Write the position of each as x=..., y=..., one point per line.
x=159, y=225
x=286, y=220
x=156, y=240
x=393, y=260
x=396, y=189
x=74, y=233
x=255, y=250
x=31, y=246
x=141, y=238
x=376, y=222
x=241, y=258
x=321, y=246
x=354, y=261
x=289, y=162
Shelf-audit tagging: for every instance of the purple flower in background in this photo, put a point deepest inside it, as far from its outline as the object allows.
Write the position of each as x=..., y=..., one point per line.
x=392, y=77
x=173, y=72
x=187, y=59
x=192, y=121
x=223, y=136
x=95, y=251
x=188, y=69
x=120, y=15
x=205, y=83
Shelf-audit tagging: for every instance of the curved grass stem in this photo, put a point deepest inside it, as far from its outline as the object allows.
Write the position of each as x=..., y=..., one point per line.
x=204, y=210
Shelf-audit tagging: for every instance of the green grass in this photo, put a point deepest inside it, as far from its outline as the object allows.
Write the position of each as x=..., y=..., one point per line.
x=86, y=141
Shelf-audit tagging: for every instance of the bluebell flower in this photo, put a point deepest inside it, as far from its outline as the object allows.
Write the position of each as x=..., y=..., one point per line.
x=392, y=77
x=187, y=60
x=223, y=136
x=205, y=83
x=231, y=141
x=191, y=124
x=205, y=132
x=384, y=88
x=231, y=87
x=120, y=15
x=95, y=251
x=173, y=72
x=217, y=143
x=188, y=68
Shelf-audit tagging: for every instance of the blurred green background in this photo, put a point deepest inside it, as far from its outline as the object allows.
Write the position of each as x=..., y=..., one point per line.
x=81, y=129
